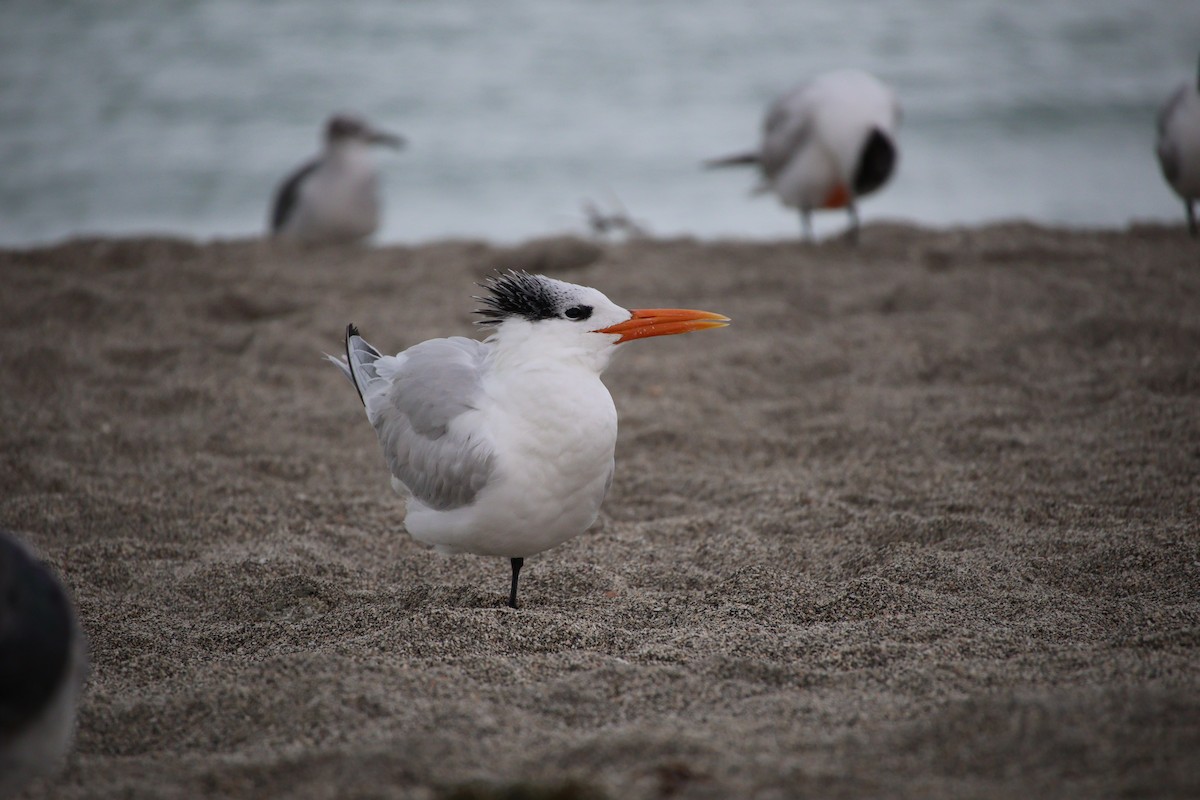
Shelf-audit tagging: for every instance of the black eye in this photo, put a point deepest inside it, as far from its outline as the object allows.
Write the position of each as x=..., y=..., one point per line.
x=578, y=312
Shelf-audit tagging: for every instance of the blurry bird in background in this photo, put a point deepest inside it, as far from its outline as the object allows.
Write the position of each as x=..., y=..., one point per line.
x=826, y=143
x=617, y=222
x=334, y=197
x=1179, y=145
x=43, y=663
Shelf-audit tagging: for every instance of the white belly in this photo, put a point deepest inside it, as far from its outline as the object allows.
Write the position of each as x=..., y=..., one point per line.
x=338, y=202
x=554, y=463
x=808, y=179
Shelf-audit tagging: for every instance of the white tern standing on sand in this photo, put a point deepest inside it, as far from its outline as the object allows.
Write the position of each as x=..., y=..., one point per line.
x=334, y=197
x=827, y=143
x=1179, y=145
x=505, y=446
x=43, y=663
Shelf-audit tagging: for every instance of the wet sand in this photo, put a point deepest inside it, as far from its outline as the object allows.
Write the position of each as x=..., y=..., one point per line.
x=922, y=523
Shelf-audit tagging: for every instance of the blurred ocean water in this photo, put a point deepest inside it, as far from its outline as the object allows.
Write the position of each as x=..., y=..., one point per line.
x=181, y=117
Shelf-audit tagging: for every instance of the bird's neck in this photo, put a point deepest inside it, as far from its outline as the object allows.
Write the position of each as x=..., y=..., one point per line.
x=348, y=150
x=530, y=348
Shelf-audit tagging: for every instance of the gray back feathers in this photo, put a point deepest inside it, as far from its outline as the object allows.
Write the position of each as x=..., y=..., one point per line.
x=787, y=129
x=413, y=400
x=287, y=197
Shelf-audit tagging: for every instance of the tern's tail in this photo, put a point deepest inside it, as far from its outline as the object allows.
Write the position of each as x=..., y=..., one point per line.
x=359, y=363
x=739, y=160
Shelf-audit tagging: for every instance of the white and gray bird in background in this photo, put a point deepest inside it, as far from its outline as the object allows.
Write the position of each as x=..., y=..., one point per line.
x=1179, y=145
x=827, y=143
x=505, y=447
x=43, y=664
x=334, y=198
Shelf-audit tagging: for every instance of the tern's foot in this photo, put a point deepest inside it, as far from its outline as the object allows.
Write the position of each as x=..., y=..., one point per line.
x=517, y=563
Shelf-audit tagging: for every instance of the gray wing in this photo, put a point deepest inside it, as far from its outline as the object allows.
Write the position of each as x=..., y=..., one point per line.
x=288, y=195
x=1167, y=150
x=786, y=131
x=421, y=411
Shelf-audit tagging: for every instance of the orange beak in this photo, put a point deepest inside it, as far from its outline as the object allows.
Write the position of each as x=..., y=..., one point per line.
x=663, y=322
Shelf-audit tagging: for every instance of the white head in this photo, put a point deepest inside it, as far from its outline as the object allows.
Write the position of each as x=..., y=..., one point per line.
x=567, y=321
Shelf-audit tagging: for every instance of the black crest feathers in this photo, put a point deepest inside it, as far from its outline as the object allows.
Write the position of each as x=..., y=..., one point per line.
x=517, y=294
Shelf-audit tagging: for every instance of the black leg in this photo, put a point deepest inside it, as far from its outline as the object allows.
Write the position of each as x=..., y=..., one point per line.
x=517, y=563
x=1191, y=214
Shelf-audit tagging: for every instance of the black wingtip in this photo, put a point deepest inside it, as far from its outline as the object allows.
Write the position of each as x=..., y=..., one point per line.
x=353, y=331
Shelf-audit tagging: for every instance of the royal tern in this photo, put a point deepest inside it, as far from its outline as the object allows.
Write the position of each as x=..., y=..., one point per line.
x=43, y=662
x=505, y=446
x=334, y=197
x=827, y=143
x=1179, y=145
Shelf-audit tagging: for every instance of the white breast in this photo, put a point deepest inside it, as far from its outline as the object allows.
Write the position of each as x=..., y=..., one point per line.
x=340, y=200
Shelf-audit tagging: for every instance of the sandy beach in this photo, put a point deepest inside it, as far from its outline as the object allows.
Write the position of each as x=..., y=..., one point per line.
x=923, y=522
